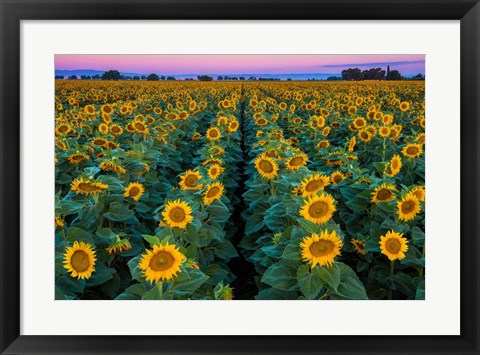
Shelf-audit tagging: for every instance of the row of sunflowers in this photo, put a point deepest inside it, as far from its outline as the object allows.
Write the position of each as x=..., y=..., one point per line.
x=336, y=190
x=323, y=182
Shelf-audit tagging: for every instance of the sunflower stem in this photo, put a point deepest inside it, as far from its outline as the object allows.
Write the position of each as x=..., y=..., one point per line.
x=392, y=266
x=420, y=271
x=160, y=289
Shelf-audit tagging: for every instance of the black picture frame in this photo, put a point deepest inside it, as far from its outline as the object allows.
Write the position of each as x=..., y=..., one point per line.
x=13, y=11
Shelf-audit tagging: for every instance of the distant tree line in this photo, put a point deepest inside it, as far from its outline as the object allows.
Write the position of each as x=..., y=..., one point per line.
x=356, y=74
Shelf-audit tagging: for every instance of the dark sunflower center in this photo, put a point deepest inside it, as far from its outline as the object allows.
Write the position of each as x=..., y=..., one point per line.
x=213, y=191
x=322, y=145
x=384, y=194
x=395, y=164
x=266, y=166
x=63, y=129
x=393, y=245
x=364, y=135
x=77, y=157
x=359, y=123
x=85, y=186
x=177, y=214
x=296, y=161
x=139, y=126
x=190, y=180
x=107, y=109
x=134, y=191
x=337, y=178
x=412, y=150
x=321, y=248
x=161, y=261
x=318, y=209
x=314, y=185
x=214, y=133
x=408, y=206
x=80, y=261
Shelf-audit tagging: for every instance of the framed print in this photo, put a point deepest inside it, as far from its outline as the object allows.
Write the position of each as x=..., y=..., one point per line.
x=237, y=177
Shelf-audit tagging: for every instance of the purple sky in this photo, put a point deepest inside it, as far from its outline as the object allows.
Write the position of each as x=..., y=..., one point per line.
x=240, y=64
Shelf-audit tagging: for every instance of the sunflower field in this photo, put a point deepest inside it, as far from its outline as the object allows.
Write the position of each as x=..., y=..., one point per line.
x=239, y=190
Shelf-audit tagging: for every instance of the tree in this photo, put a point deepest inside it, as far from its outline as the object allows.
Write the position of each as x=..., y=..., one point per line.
x=418, y=77
x=162, y=77
x=135, y=77
x=72, y=77
x=373, y=74
x=352, y=74
x=204, y=78
x=289, y=79
x=111, y=75
x=219, y=77
x=241, y=78
x=85, y=77
x=171, y=78
x=58, y=77
x=334, y=78
x=395, y=75
x=153, y=77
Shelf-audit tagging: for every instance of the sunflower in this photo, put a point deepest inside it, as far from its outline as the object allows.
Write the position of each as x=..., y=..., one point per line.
x=161, y=263
x=89, y=109
x=233, y=126
x=393, y=245
x=196, y=136
x=266, y=167
x=383, y=193
x=189, y=179
x=420, y=138
x=359, y=122
x=351, y=144
x=395, y=164
x=412, y=150
x=384, y=131
x=296, y=162
x=404, y=106
x=321, y=248
x=337, y=177
x=419, y=192
x=59, y=222
x=77, y=158
x=63, y=129
x=214, y=171
x=135, y=190
x=87, y=187
x=99, y=142
x=408, y=208
x=140, y=127
x=116, y=130
x=323, y=144
x=110, y=165
x=103, y=128
x=365, y=136
x=213, y=192
x=118, y=246
x=318, y=209
x=214, y=134
x=359, y=246
x=107, y=109
x=311, y=185
x=177, y=214
x=79, y=260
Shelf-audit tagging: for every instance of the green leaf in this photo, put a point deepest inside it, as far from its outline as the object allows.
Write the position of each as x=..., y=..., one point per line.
x=153, y=294
x=152, y=240
x=350, y=287
x=281, y=277
x=310, y=284
x=254, y=223
x=79, y=235
x=133, y=292
x=329, y=275
x=225, y=251
x=188, y=282
x=292, y=252
x=418, y=236
x=100, y=277
x=118, y=212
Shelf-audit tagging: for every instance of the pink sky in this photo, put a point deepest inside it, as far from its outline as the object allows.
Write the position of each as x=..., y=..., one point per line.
x=239, y=64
